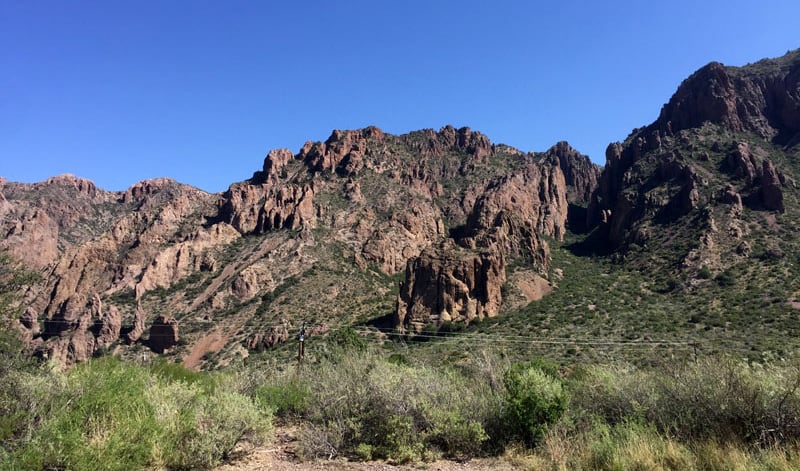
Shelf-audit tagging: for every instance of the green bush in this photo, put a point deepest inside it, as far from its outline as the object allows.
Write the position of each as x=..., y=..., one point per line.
x=726, y=278
x=365, y=406
x=171, y=372
x=203, y=432
x=102, y=416
x=534, y=401
x=720, y=400
x=121, y=416
x=291, y=398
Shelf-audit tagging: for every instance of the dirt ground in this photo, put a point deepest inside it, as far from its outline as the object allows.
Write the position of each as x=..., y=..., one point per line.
x=281, y=455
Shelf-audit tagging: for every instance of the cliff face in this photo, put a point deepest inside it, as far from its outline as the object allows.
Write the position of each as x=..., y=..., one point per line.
x=580, y=174
x=722, y=151
x=762, y=98
x=171, y=268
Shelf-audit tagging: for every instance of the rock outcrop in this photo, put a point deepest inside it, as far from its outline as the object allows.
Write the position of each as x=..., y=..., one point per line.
x=770, y=188
x=256, y=209
x=580, y=174
x=761, y=98
x=80, y=329
x=138, y=328
x=447, y=283
x=363, y=201
x=660, y=173
x=537, y=195
x=274, y=336
x=31, y=237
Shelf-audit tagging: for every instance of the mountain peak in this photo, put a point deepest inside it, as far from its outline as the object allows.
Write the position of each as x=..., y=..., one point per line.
x=763, y=98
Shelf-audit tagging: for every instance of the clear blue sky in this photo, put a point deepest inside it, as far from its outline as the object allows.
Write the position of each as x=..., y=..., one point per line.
x=120, y=91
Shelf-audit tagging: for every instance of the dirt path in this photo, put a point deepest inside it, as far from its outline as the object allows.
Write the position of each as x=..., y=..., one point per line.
x=281, y=455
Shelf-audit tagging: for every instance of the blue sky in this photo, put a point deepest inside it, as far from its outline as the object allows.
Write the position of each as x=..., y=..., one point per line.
x=121, y=91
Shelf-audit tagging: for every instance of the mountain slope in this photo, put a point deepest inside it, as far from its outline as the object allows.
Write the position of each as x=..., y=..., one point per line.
x=322, y=236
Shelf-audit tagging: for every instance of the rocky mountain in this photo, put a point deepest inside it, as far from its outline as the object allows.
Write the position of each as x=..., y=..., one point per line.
x=425, y=230
x=712, y=182
x=419, y=228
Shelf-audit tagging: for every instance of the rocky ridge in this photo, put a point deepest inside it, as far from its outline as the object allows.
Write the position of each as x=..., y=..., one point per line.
x=151, y=268
x=720, y=158
x=423, y=229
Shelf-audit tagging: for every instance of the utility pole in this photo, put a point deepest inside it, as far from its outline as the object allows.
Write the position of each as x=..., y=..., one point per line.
x=301, y=347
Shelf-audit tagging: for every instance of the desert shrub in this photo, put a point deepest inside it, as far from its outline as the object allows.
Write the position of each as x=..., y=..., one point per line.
x=101, y=416
x=366, y=407
x=286, y=399
x=348, y=339
x=534, y=400
x=125, y=417
x=26, y=400
x=719, y=400
x=727, y=278
x=204, y=428
x=172, y=372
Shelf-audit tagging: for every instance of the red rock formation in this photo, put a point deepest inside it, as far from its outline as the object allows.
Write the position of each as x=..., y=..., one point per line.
x=343, y=151
x=379, y=200
x=580, y=174
x=29, y=325
x=536, y=195
x=448, y=283
x=275, y=335
x=761, y=98
x=261, y=208
x=138, y=325
x=743, y=164
x=771, y=193
x=31, y=237
x=110, y=325
x=141, y=190
x=756, y=100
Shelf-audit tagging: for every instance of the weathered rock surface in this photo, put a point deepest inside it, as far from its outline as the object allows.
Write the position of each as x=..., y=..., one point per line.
x=447, y=283
x=77, y=330
x=537, y=195
x=109, y=327
x=761, y=98
x=138, y=325
x=580, y=174
x=362, y=197
x=274, y=336
x=771, y=193
x=660, y=174
x=261, y=208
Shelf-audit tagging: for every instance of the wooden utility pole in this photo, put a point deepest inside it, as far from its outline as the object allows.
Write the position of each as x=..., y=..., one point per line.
x=301, y=346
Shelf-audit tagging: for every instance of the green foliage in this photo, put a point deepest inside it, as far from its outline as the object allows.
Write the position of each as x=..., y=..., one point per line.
x=102, y=416
x=704, y=273
x=290, y=398
x=368, y=407
x=726, y=278
x=719, y=400
x=206, y=427
x=268, y=298
x=348, y=339
x=452, y=328
x=124, y=416
x=172, y=372
x=534, y=401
